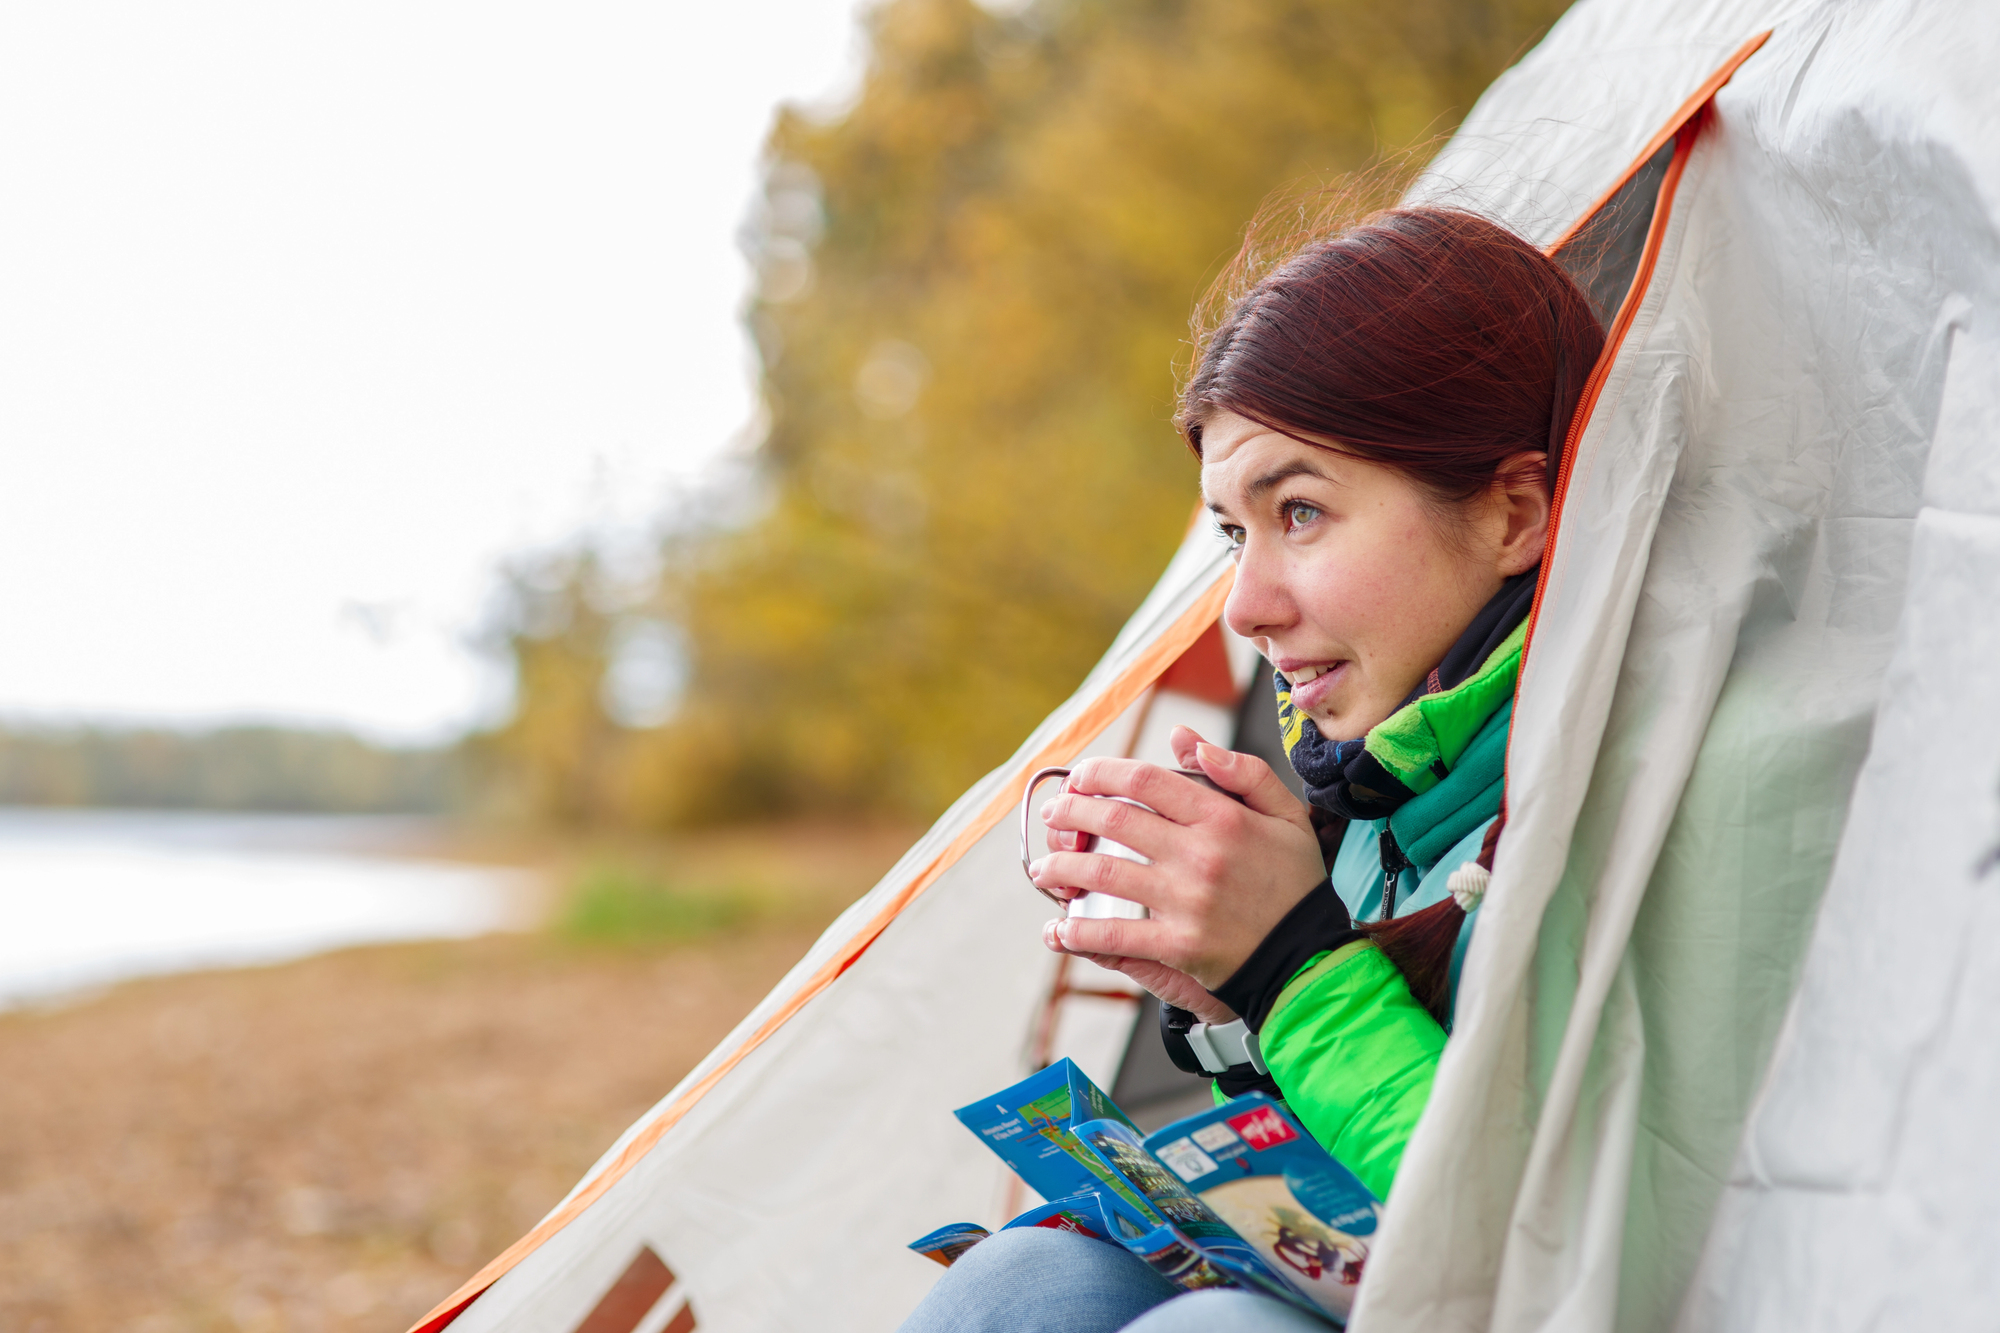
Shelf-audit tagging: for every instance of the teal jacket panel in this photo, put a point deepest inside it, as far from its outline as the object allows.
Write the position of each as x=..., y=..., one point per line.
x=1432, y=830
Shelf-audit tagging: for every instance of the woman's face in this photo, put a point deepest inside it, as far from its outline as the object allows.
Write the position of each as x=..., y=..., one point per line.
x=1347, y=579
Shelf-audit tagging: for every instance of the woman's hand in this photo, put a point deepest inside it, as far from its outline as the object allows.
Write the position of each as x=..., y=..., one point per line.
x=1223, y=873
x=1175, y=987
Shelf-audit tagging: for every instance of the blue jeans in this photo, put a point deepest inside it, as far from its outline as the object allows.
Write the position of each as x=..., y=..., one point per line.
x=1037, y=1280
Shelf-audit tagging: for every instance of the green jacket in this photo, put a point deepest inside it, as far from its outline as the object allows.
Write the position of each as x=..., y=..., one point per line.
x=1350, y=1048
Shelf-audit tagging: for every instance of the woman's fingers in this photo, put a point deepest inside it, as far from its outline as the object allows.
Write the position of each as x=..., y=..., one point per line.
x=1182, y=743
x=1169, y=984
x=1223, y=871
x=1090, y=872
x=1252, y=779
x=1176, y=988
x=1128, y=940
x=1126, y=824
x=1158, y=788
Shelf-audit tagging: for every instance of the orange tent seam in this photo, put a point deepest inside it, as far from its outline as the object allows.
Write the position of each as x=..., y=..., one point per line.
x=1700, y=98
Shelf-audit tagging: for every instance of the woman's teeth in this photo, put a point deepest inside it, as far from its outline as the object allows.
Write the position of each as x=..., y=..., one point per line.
x=1304, y=674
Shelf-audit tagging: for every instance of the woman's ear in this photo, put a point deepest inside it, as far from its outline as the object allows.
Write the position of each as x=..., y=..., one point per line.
x=1522, y=495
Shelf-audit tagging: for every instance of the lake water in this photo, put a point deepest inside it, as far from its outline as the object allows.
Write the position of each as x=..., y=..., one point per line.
x=89, y=897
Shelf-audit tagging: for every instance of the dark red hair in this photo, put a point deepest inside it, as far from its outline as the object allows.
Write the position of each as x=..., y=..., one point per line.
x=1426, y=340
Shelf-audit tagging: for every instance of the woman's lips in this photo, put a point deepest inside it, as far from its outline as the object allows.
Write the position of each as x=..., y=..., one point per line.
x=1313, y=681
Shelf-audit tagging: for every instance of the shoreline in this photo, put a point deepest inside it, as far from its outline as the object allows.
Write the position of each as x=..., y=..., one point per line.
x=332, y=1144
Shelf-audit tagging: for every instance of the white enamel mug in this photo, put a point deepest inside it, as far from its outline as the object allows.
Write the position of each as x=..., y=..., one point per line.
x=1098, y=905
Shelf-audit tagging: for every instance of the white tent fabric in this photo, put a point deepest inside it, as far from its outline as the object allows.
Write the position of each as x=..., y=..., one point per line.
x=1806, y=383
x=1725, y=595
x=1867, y=1191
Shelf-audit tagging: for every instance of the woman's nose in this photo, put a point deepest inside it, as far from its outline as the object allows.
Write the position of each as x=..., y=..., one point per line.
x=1259, y=603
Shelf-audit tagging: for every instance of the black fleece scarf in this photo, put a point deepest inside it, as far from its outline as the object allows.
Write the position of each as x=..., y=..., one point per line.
x=1341, y=777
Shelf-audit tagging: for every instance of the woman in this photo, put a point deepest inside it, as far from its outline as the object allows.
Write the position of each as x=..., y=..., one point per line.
x=1379, y=420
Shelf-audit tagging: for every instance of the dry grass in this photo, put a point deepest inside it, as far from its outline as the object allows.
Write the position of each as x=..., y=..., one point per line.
x=335, y=1144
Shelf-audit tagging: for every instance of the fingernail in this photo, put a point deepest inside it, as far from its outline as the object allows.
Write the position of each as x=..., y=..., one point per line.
x=1046, y=807
x=1062, y=931
x=1049, y=940
x=1035, y=868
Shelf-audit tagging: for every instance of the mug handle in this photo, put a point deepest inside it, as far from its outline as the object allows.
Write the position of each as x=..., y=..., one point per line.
x=1027, y=811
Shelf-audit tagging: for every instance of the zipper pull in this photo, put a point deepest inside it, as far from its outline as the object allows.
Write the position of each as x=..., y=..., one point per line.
x=1394, y=863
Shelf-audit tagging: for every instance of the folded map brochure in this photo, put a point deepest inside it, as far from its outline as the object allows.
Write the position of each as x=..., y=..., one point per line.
x=1238, y=1195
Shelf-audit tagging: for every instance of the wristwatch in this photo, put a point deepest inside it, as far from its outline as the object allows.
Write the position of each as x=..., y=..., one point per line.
x=1210, y=1049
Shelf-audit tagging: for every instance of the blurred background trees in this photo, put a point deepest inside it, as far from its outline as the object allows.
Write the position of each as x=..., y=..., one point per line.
x=974, y=291
x=228, y=768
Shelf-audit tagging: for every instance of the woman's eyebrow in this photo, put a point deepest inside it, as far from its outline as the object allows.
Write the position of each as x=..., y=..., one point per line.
x=1277, y=476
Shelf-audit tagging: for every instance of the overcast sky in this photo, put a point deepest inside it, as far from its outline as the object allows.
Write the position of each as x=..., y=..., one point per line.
x=312, y=314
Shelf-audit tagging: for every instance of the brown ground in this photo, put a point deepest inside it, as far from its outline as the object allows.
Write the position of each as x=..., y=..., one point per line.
x=335, y=1144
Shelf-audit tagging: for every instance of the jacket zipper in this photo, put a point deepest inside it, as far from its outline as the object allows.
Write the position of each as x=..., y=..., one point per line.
x=1394, y=863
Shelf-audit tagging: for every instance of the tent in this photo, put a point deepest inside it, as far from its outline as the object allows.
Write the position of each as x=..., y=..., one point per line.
x=1717, y=1060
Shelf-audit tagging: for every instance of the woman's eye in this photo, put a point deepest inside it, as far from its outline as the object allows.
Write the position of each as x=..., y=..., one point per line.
x=1232, y=536
x=1298, y=515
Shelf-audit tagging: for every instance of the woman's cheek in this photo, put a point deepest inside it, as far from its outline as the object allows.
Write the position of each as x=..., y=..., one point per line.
x=1345, y=601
